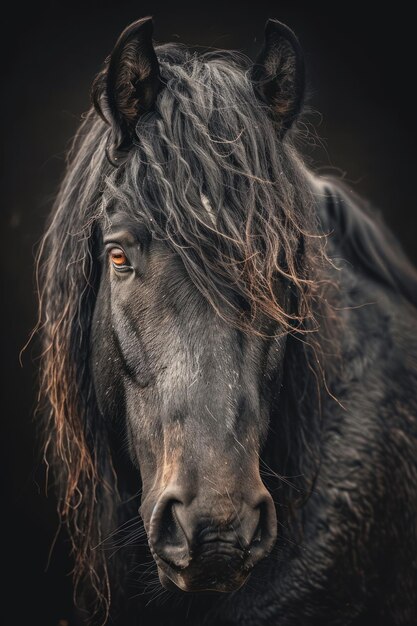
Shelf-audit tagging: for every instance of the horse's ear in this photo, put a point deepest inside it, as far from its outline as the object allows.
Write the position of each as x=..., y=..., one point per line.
x=127, y=86
x=278, y=73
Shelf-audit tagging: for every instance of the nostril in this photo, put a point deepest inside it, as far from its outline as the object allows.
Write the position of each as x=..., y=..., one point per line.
x=167, y=538
x=257, y=534
x=262, y=529
x=265, y=532
x=168, y=523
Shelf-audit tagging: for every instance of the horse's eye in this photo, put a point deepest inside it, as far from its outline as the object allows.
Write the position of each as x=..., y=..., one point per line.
x=119, y=259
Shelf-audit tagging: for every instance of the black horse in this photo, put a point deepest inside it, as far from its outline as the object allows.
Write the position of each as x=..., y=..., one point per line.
x=229, y=348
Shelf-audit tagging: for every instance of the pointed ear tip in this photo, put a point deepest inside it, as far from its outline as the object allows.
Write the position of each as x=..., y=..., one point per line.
x=271, y=21
x=274, y=26
x=148, y=20
x=144, y=22
x=144, y=25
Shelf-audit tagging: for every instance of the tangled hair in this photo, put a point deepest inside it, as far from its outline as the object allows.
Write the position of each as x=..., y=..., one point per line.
x=75, y=446
x=209, y=176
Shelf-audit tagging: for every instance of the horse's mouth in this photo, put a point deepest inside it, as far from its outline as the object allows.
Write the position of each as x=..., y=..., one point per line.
x=215, y=572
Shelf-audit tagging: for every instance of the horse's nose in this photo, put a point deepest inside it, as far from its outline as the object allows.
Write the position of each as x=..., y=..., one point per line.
x=181, y=530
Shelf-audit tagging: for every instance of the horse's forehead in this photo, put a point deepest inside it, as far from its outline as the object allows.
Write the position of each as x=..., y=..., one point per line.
x=132, y=223
x=131, y=226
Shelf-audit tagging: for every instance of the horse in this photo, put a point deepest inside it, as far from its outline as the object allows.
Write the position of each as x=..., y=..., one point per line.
x=229, y=359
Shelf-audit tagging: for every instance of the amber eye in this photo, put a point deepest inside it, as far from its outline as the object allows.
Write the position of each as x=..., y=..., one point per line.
x=118, y=258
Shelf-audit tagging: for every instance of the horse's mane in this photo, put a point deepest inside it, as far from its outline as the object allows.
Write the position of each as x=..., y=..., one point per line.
x=362, y=238
x=210, y=177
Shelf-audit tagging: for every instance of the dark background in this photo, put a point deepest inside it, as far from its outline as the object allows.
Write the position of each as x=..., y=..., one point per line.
x=361, y=66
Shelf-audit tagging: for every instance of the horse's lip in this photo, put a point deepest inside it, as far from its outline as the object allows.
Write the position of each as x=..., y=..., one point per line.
x=206, y=570
x=175, y=582
x=206, y=549
x=220, y=548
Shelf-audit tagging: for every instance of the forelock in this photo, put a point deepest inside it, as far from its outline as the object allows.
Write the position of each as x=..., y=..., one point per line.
x=210, y=176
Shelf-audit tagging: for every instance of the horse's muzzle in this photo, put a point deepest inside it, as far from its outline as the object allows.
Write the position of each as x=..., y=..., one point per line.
x=198, y=550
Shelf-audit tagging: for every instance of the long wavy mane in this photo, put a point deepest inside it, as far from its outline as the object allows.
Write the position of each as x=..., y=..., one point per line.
x=207, y=138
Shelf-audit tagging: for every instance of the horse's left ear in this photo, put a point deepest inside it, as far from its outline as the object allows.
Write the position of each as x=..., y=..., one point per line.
x=127, y=86
x=279, y=75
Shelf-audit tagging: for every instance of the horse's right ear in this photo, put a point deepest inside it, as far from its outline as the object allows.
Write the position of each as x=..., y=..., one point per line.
x=127, y=86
